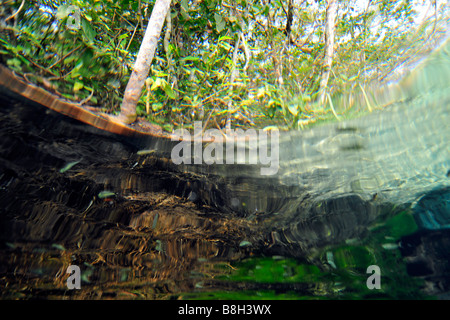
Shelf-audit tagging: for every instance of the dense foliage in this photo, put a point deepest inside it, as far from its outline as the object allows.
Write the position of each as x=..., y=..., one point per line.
x=254, y=62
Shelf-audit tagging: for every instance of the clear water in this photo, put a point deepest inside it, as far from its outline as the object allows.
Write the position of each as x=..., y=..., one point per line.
x=348, y=195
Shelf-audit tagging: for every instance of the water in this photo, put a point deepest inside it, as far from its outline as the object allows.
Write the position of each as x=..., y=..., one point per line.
x=347, y=195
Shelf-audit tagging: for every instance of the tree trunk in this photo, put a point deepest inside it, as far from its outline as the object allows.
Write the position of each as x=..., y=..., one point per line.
x=329, y=47
x=233, y=75
x=143, y=62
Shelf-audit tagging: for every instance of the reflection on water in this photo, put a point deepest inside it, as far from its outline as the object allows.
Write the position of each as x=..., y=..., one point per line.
x=369, y=191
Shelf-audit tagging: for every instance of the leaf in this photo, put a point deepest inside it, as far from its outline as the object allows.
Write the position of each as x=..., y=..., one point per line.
x=13, y=62
x=88, y=31
x=222, y=38
x=306, y=98
x=168, y=127
x=86, y=274
x=232, y=19
x=78, y=86
x=184, y=14
x=62, y=11
x=170, y=93
x=293, y=109
x=160, y=73
x=58, y=246
x=106, y=194
x=159, y=246
x=157, y=106
x=190, y=58
x=220, y=22
x=155, y=221
x=185, y=5
x=330, y=259
x=93, y=100
x=268, y=129
x=114, y=83
x=261, y=93
x=69, y=166
x=389, y=246
x=245, y=243
x=145, y=151
x=157, y=84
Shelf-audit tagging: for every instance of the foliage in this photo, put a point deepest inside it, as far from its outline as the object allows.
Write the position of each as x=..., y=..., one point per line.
x=278, y=61
x=74, y=62
x=343, y=278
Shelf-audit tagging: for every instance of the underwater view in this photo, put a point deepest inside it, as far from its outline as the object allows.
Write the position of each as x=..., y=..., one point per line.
x=258, y=187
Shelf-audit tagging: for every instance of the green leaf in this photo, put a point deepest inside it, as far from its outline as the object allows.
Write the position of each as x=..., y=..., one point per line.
x=114, y=83
x=69, y=166
x=78, y=86
x=220, y=22
x=88, y=31
x=87, y=57
x=170, y=93
x=62, y=11
x=185, y=5
x=293, y=109
x=157, y=106
x=222, y=38
x=13, y=62
x=58, y=246
x=94, y=100
x=190, y=58
x=245, y=243
x=157, y=84
x=159, y=246
x=185, y=9
x=232, y=19
x=106, y=194
x=168, y=127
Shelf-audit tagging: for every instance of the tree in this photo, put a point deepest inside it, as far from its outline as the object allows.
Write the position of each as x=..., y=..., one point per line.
x=254, y=62
x=329, y=47
x=143, y=62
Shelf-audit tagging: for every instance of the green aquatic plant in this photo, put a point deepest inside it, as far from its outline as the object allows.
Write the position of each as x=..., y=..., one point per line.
x=336, y=272
x=69, y=166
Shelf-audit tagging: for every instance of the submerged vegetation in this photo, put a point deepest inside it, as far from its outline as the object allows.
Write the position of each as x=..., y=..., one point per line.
x=254, y=63
x=339, y=272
